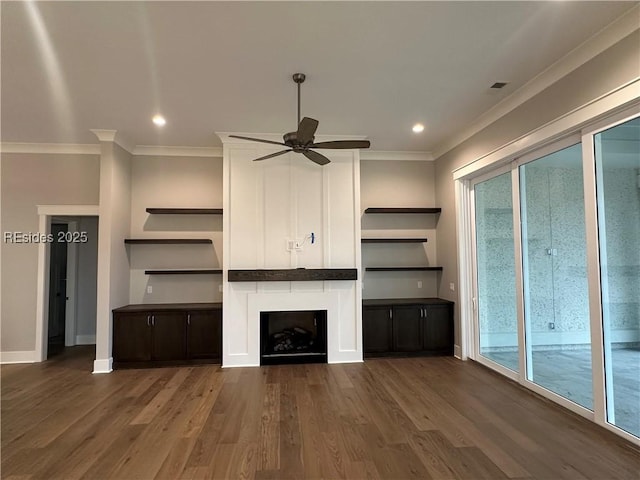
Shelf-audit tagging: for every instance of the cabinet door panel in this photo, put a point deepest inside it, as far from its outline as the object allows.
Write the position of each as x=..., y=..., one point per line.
x=131, y=337
x=169, y=336
x=407, y=334
x=376, y=329
x=438, y=328
x=204, y=334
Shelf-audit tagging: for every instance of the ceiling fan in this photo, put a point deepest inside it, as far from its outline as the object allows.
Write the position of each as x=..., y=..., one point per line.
x=301, y=141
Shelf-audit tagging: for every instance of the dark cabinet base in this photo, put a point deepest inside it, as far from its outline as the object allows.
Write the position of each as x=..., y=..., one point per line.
x=167, y=335
x=407, y=327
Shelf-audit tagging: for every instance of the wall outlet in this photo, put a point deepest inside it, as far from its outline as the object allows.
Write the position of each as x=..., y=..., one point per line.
x=552, y=326
x=149, y=289
x=452, y=287
x=419, y=283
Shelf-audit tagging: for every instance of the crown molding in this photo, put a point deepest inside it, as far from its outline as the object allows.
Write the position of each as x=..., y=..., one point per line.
x=50, y=148
x=113, y=136
x=601, y=41
x=396, y=155
x=156, y=151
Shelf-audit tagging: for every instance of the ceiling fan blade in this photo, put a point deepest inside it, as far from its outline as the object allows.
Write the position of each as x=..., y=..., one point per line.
x=258, y=140
x=343, y=144
x=316, y=157
x=281, y=152
x=306, y=130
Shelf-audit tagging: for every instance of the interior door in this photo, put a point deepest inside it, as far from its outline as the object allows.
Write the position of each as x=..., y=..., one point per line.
x=57, y=290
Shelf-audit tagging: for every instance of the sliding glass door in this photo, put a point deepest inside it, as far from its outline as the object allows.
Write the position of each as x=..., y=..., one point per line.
x=617, y=157
x=555, y=250
x=556, y=301
x=495, y=271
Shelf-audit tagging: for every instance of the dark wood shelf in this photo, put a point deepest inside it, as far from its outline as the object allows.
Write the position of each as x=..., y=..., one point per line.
x=394, y=240
x=196, y=271
x=293, y=275
x=402, y=269
x=402, y=210
x=166, y=241
x=168, y=307
x=185, y=211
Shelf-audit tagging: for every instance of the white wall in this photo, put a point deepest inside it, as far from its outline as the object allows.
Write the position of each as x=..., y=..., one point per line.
x=185, y=182
x=29, y=180
x=288, y=197
x=397, y=183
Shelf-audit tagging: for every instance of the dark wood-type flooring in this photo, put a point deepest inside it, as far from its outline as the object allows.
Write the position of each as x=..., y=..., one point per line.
x=385, y=418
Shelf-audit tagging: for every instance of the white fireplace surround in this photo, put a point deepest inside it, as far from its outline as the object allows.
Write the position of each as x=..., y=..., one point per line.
x=269, y=204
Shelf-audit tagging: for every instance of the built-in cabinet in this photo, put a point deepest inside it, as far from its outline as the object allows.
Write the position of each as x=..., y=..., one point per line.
x=410, y=326
x=167, y=333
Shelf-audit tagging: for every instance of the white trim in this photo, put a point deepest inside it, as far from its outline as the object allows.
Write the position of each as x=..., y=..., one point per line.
x=397, y=155
x=19, y=357
x=103, y=365
x=50, y=148
x=159, y=151
x=465, y=272
x=85, y=339
x=559, y=399
x=457, y=352
x=113, y=136
x=618, y=99
x=606, y=38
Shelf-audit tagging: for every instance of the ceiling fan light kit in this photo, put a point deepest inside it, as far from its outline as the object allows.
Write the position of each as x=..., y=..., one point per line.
x=302, y=140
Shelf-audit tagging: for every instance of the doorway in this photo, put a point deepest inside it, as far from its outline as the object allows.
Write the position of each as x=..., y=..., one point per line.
x=72, y=272
x=57, y=289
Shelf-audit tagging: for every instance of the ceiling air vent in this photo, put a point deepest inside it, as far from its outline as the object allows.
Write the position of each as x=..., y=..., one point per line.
x=499, y=85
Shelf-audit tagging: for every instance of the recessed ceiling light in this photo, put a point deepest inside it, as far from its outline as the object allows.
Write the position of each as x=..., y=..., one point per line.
x=158, y=120
x=417, y=128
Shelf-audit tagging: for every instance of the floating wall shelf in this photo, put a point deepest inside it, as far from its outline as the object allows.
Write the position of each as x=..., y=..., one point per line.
x=185, y=211
x=166, y=241
x=402, y=210
x=394, y=240
x=404, y=269
x=198, y=271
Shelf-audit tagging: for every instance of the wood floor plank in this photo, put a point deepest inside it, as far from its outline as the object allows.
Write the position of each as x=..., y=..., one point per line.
x=398, y=418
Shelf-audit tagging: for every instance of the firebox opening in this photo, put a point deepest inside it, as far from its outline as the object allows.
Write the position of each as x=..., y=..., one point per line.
x=293, y=337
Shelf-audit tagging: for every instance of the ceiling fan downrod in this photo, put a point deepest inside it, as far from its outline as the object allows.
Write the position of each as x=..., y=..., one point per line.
x=299, y=78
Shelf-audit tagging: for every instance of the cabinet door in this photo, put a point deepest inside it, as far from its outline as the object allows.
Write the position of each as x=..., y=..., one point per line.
x=407, y=333
x=204, y=334
x=169, y=336
x=131, y=337
x=376, y=329
x=438, y=328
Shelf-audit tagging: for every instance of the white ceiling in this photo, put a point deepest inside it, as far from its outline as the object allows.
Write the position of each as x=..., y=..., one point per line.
x=373, y=68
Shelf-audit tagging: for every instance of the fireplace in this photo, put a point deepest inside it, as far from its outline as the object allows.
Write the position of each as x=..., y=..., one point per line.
x=298, y=336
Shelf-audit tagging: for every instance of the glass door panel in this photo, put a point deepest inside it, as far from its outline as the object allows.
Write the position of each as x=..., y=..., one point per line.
x=495, y=271
x=617, y=154
x=556, y=304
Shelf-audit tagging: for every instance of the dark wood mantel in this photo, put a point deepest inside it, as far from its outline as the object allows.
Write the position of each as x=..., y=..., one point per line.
x=293, y=275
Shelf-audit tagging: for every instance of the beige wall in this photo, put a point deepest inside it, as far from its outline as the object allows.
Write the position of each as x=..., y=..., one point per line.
x=186, y=182
x=29, y=180
x=605, y=72
x=113, y=262
x=396, y=183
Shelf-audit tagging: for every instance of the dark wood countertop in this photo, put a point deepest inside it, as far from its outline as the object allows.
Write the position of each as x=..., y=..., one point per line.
x=383, y=302
x=293, y=275
x=167, y=307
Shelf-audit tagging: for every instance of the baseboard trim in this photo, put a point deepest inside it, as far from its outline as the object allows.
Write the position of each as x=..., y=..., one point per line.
x=85, y=339
x=18, y=357
x=103, y=365
x=457, y=352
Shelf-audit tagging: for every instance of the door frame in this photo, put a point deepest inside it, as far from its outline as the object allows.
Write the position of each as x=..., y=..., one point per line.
x=46, y=213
